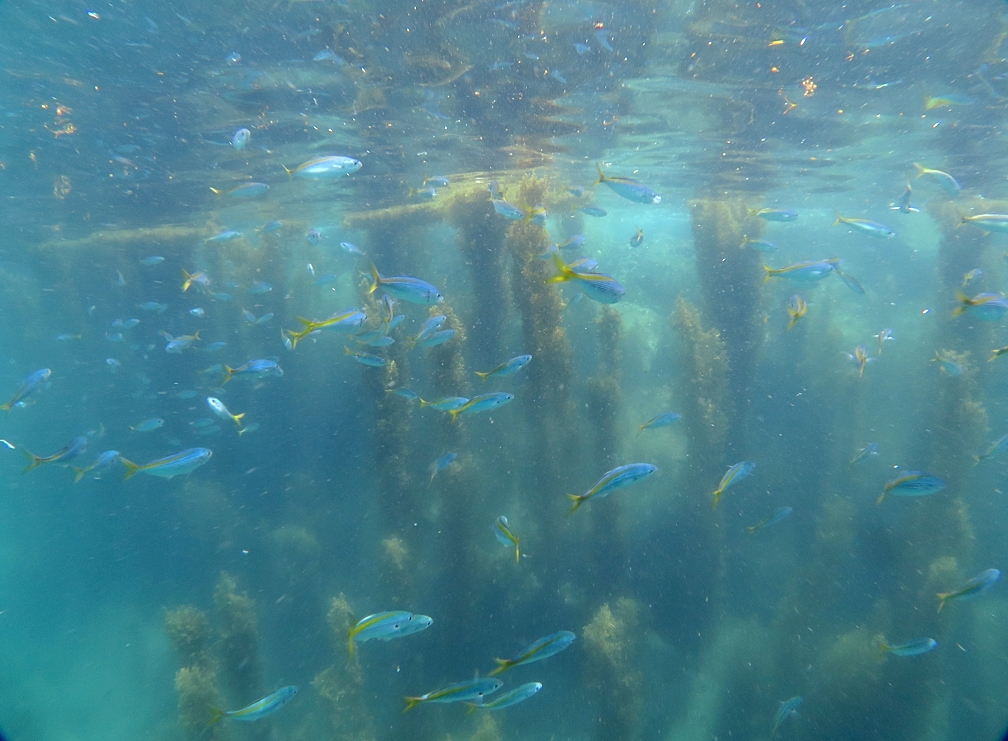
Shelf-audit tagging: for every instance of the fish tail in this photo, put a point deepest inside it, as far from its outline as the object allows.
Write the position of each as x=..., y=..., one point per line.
x=296, y=337
x=35, y=461
x=839, y=218
x=215, y=715
x=517, y=550
x=881, y=497
x=920, y=169
x=753, y=529
x=290, y=173
x=578, y=500
x=237, y=418
x=6, y=407
x=717, y=498
x=977, y=459
x=196, y=335
x=187, y=281
x=502, y=666
x=411, y=702
x=641, y=430
x=351, y=643
x=305, y=322
x=565, y=272
x=228, y=373
x=472, y=708
x=375, y=279
x=942, y=596
x=131, y=468
x=484, y=375
x=217, y=192
x=793, y=322
x=963, y=218
x=883, y=646
x=79, y=473
x=347, y=351
x=601, y=175
x=423, y=403
x=454, y=414
x=769, y=273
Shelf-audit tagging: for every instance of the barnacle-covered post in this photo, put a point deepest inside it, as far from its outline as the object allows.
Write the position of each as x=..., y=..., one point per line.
x=548, y=377
x=188, y=630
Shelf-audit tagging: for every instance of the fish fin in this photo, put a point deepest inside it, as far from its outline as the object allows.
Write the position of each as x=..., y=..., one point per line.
x=454, y=414
x=237, y=418
x=976, y=459
x=131, y=468
x=79, y=473
x=839, y=218
x=196, y=335
x=348, y=351
x=215, y=715
x=305, y=322
x=473, y=707
x=502, y=666
x=217, y=192
x=881, y=497
x=6, y=407
x=717, y=498
x=601, y=175
x=883, y=646
x=962, y=219
x=565, y=271
x=411, y=702
x=752, y=211
x=942, y=596
x=753, y=529
x=36, y=461
x=423, y=403
x=769, y=273
x=228, y=373
x=351, y=643
x=578, y=500
x=375, y=279
x=484, y=375
x=290, y=173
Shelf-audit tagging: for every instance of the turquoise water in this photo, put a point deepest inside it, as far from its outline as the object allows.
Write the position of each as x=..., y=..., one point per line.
x=128, y=607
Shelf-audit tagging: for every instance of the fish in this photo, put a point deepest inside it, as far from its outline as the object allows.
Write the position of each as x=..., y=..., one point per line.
x=986, y=222
x=68, y=452
x=214, y=346
x=438, y=180
x=661, y=420
x=970, y=589
x=429, y=327
x=997, y=353
x=774, y=214
x=259, y=709
x=225, y=236
x=602, y=36
x=638, y=238
x=946, y=181
x=809, y=271
x=149, y=425
x=327, y=55
x=987, y=307
x=153, y=306
x=271, y=227
x=183, y=462
x=867, y=450
x=787, y=709
x=574, y=242
x=973, y=275
x=241, y=138
x=796, y=308
x=385, y=626
x=948, y=363
x=781, y=514
x=103, y=459
x=902, y=204
x=183, y=342
x=413, y=290
x=314, y=236
x=405, y=393
x=325, y=280
x=447, y=404
x=946, y=101
x=910, y=648
x=383, y=341
x=218, y=408
x=511, y=697
x=347, y=320
x=581, y=49
x=125, y=323
x=30, y=386
x=860, y=356
x=596, y=286
x=871, y=228
x=253, y=369
x=245, y=190
x=507, y=368
x=437, y=338
x=912, y=484
x=259, y=287
x=350, y=248
x=617, y=478
x=481, y=403
x=248, y=428
x=545, y=647
x=68, y=337
x=507, y=210
x=996, y=447
x=595, y=211
x=558, y=76
x=577, y=191
x=425, y=194
x=761, y=245
x=440, y=464
x=365, y=358
x=473, y=689
x=732, y=476
x=628, y=188
x=198, y=278
x=326, y=167
x=152, y=260
x=885, y=335
x=198, y=312
x=504, y=534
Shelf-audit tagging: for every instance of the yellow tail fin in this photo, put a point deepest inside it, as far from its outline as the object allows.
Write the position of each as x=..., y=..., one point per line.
x=942, y=596
x=375, y=279
x=215, y=715
x=351, y=644
x=769, y=273
x=484, y=375
x=839, y=218
x=237, y=418
x=502, y=666
x=601, y=175
x=411, y=702
x=228, y=373
x=79, y=473
x=578, y=501
x=187, y=281
x=217, y=192
x=717, y=498
x=36, y=461
x=131, y=468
